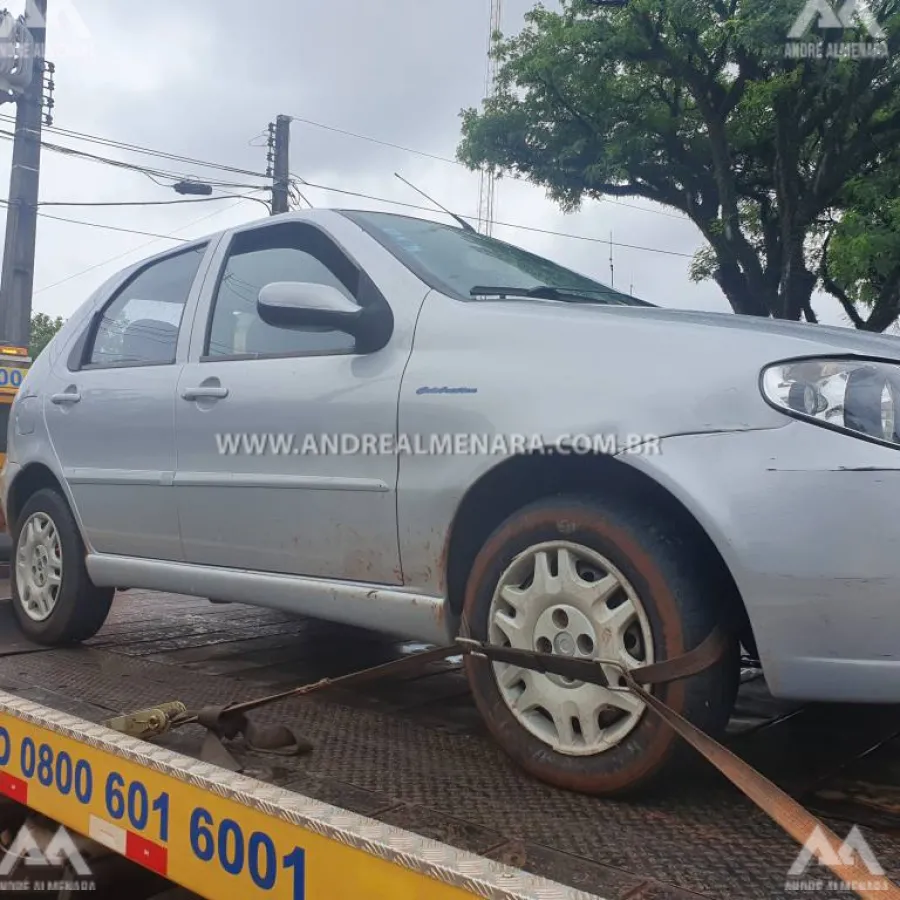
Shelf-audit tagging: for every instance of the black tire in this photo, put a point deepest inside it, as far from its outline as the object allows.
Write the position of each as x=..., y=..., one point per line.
x=683, y=599
x=81, y=607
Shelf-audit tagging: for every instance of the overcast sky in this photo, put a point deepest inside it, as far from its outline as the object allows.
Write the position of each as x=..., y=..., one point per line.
x=203, y=79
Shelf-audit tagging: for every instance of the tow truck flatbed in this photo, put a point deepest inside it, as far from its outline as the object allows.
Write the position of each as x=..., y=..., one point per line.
x=398, y=765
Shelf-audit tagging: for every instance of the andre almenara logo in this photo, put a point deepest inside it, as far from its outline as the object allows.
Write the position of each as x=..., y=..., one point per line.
x=813, y=34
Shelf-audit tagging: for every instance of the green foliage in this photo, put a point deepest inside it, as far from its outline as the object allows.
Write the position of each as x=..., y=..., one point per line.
x=860, y=261
x=693, y=104
x=43, y=329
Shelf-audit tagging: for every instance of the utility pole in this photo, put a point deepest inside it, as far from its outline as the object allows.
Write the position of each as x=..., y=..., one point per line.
x=281, y=189
x=17, y=284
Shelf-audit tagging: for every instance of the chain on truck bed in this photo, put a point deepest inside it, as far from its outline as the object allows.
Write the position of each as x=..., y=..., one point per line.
x=230, y=721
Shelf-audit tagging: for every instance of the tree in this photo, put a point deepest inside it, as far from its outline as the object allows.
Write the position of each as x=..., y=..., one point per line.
x=860, y=259
x=43, y=329
x=694, y=104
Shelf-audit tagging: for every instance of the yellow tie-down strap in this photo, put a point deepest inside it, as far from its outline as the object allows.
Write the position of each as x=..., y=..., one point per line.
x=223, y=835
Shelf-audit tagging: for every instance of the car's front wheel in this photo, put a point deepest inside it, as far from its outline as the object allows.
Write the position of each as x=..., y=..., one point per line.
x=53, y=598
x=600, y=581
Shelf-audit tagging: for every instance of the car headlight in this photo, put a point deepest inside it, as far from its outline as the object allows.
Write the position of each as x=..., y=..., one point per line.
x=858, y=396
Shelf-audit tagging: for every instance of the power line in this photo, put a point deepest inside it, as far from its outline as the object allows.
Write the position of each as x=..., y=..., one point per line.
x=546, y=231
x=455, y=162
x=299, y=194
x=118, y=228
x=118, y=163
x=119, y=256
x=372, y=140
x=148, y=151
x=563, y=234
x=180, y=176
x=176, y=176
x=100, y=225
x=153, y=174
x=118, y=203
x=362, y=196
x=141, y=203
x=171, y=237
x=581, y=237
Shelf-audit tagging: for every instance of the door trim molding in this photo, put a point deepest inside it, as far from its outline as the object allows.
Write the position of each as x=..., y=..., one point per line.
x=263, y=480
x=119, y=476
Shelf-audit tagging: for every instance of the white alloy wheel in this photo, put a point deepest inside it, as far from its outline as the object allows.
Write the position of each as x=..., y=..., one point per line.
x=39, y=567
x=567, y=599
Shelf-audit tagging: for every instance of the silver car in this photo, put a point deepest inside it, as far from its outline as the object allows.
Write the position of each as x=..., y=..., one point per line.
x=406, y=426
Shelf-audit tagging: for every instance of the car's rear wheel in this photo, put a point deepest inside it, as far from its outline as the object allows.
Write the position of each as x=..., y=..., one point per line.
x=53, y=598
x=582, y=578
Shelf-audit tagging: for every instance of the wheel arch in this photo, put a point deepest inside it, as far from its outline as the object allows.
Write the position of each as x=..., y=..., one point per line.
x=520, y=480
x=33, y=478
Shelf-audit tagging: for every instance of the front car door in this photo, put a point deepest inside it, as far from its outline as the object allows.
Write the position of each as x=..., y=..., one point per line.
x=259, y=409
x=110, y=410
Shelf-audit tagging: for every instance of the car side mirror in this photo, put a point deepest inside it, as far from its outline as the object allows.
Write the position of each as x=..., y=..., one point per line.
x=296, y=304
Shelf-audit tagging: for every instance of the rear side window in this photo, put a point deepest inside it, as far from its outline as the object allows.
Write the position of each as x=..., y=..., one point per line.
x=140, y=325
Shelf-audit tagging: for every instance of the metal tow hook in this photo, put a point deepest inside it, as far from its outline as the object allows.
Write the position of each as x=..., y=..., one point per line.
x=222, y=723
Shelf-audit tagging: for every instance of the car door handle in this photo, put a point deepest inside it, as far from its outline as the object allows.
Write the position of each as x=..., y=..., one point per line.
x=205, y=393
x=69, y=397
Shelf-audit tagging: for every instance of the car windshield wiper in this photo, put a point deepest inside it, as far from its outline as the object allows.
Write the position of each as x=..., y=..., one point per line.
x=548, y=292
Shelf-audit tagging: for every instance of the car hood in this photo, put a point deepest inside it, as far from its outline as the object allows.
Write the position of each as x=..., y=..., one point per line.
x=571, y=368
x=816, y=338
x=848, y=340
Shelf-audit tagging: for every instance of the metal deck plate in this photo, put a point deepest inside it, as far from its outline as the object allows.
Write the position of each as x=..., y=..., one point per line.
x=96, y=756
x=414, y=755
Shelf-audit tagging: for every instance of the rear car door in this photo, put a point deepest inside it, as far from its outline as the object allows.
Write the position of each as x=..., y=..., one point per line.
x=252, y=395
x=110, y=411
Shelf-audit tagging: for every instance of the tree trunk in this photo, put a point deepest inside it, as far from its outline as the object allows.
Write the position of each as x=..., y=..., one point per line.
x=736, y=287
x=797, y=284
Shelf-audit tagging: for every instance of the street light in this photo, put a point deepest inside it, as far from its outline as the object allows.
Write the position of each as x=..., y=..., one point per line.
x=202, y=189
x=193, y=188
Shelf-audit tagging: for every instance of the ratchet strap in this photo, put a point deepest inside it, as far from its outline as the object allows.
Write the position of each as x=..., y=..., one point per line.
x=691, y=663
x=231, y=721
x=786, y=812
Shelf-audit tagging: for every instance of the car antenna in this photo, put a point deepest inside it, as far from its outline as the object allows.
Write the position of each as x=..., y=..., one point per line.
x=465, y=225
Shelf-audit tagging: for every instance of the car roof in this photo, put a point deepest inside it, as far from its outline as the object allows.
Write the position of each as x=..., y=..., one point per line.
x=320, y=216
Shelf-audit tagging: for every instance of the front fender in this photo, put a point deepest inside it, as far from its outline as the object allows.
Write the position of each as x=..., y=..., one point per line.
x=805, y=520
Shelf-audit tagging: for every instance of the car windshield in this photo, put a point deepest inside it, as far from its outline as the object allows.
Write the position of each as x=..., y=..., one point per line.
x=456, y=261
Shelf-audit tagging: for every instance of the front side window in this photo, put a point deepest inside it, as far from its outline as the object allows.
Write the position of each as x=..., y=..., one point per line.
x=140, y=326
x=456, y=262
x=276, y=253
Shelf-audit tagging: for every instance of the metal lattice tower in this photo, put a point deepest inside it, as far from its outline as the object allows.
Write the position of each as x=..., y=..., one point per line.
x=488, y=178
